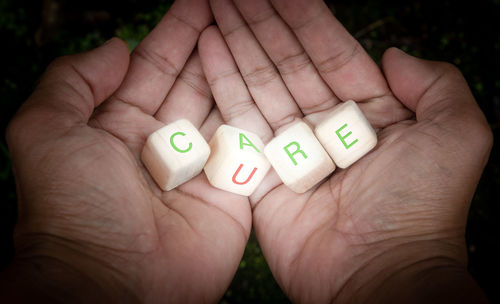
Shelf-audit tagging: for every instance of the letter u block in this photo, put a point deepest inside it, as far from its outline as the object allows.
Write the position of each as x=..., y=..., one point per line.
x=298, y=158
x=175, y=153
x=346, y=134
x=236, y=163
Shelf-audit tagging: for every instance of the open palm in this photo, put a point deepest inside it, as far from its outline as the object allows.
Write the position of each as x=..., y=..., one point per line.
x=86, y=200
x=404, y=205
x=94, y=226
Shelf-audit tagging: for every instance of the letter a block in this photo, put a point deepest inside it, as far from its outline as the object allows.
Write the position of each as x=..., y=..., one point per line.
x=346, y=134
x=175, y=153
x=237, y=163
x=298, y=158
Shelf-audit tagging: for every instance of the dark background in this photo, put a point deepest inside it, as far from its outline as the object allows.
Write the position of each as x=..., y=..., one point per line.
x=32, y=33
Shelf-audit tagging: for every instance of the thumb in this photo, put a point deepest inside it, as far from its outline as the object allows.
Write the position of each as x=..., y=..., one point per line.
x=437, y=92
x=455, y=131
x=72, y=86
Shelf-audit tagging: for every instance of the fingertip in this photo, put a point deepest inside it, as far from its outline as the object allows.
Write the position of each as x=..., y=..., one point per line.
x=212, y=50
x=434, y=90
x=214, y=5
x=392, y=57
x=93, y=76
x=105, y=67
x=197, y=11
x=116, y=42
x=394, y=49
x=408, y=76
x=392, y=52
x=200, y=7
x=118, y=47
x=207, y=37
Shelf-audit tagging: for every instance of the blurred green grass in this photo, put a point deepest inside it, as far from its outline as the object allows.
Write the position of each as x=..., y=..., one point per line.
x=464, y=33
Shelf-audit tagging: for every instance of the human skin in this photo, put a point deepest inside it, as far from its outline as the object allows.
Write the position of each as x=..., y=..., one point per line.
x=391, y=227
x=93, y=226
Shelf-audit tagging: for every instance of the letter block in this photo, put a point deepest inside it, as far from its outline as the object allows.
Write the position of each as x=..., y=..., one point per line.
x=175, y=153
x=236, y=163
x=298, y=158
x=346, y=134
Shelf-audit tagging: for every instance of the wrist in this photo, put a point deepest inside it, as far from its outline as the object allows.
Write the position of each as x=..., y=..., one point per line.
x=47, y=269
x=419, y=272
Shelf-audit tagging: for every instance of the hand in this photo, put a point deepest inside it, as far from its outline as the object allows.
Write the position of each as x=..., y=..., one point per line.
x=92, y=228
x=394, y=221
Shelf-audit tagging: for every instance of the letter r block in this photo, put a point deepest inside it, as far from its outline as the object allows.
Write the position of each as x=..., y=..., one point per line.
x=298, y=158
x=346, y=134
x=175, y=153
x=237, y=163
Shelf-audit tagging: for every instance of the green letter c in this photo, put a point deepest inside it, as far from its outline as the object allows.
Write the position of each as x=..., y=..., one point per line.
x=177, y=148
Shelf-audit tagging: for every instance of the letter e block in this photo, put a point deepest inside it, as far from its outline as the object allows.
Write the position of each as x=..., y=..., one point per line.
x=346, y=134
x=298, y=158
x=175, y=153
x=237, y=163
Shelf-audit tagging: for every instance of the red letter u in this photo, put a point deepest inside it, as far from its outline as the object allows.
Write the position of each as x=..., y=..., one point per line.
x=248, y=178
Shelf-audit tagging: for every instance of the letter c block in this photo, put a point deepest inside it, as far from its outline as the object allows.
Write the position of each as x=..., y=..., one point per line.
x=175, y=153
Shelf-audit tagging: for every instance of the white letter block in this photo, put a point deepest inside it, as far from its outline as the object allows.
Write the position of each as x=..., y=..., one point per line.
x=298, y=158
x=346, y=134
x=236, y=163
x=175, y=153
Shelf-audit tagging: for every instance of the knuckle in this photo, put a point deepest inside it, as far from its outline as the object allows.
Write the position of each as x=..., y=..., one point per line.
x=234, y=29
x=239, y=109
x=262, y=17
x=449, y=71
x=449, y=67
x=261, y=76
x=61, y=63
x=186, y=21
x=222, y=77
x=293, y=63
x=197, y=82
x=284, y=121
x=339, y=59
x=159, y=62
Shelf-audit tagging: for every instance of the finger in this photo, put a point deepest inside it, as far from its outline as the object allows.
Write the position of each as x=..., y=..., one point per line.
x=72, y=87
x=231, y=205
x=129, y=124
x=341, y=60
x=260, y=75
x=437, y=92
x=158, y=59
x=210, y=125
x=228, y=88
x=346, y=67
x=190, y=96
x=301, y=77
